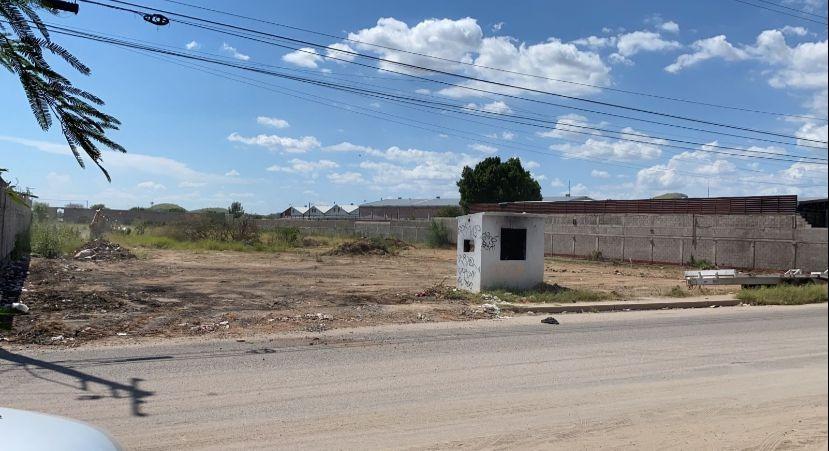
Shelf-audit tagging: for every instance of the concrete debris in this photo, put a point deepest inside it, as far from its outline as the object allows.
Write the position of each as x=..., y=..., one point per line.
x=549, y=320
x=491, y=309
x=103, y=250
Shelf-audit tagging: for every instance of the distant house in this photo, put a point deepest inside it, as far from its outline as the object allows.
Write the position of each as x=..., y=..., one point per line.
x=400, y=208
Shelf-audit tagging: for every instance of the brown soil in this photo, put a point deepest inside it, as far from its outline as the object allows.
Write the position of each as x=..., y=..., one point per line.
x=179, y=293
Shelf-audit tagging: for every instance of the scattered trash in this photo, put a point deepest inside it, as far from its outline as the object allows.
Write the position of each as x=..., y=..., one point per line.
x=121, y=334
x=20, y=307
x=549, y=320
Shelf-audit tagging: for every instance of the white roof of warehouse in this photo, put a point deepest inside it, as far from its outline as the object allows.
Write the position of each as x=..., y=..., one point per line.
x=436, y=202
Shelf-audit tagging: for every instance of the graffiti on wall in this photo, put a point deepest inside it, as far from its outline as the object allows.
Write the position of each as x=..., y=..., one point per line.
x=469, y=231
x=467, y=270
x=488, y=241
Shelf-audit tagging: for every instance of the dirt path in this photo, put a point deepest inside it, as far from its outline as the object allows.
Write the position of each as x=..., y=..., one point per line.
x=737, y=378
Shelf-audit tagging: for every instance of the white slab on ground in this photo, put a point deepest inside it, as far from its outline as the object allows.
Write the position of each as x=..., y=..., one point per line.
x=500, y=250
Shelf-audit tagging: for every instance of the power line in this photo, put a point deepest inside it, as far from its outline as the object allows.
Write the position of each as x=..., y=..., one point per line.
x=779, y=12
x=480, y=66
x=438, y=71
x=500, y=144
x=570, y=107
x=747, y=153
x=800, y=11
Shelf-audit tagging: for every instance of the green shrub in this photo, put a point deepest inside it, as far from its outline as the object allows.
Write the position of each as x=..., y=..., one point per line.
x=22, y=245
x=701, y=264
x=52, y=239
x=438, y=235
x=784, y=294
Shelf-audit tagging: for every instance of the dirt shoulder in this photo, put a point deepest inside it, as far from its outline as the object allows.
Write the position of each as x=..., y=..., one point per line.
x=166, y=293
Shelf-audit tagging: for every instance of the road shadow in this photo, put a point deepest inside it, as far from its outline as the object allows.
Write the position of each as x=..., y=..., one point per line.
x=117, y=390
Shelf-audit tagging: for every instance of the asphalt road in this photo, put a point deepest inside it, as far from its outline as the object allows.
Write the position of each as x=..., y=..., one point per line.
x=735, y=377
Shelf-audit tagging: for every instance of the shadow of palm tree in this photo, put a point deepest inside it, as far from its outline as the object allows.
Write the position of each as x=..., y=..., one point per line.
x=117, y=390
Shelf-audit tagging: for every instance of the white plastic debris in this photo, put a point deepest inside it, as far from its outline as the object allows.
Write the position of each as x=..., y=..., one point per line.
x=20, y=307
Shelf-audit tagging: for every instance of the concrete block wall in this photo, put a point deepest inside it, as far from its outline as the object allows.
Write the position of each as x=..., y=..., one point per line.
x=15, y=218
x=776, y=242
x=740, y=241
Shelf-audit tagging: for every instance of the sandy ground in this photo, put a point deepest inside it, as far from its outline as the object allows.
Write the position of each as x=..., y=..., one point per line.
x=729, y=378
x=181, y=293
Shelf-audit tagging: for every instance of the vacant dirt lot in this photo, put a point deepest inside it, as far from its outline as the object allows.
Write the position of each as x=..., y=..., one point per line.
x=167, y=293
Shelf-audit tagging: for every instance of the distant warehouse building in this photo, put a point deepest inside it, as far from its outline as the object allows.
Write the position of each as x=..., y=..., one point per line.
x=399, y=208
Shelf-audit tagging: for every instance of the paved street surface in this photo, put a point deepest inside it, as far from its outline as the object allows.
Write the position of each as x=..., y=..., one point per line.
x=737, y=377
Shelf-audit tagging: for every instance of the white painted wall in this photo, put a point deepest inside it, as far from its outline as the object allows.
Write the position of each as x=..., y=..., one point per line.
x=482, y=268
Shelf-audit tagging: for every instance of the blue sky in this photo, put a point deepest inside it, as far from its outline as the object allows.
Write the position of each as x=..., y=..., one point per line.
x=203, y=141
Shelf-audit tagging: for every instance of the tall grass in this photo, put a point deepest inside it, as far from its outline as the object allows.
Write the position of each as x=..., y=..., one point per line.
x=55, y=239
x=173, y=237
x=785, y=294
x=553, y=294
x=438, y=235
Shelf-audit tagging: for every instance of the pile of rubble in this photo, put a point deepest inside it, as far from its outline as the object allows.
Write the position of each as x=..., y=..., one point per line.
x=370, y=246
x=103, y=250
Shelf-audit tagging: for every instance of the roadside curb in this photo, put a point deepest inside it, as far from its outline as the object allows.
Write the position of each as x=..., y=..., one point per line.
x=616, y=306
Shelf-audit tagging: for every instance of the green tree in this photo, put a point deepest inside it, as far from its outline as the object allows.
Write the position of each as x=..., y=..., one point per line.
x=236, y=210
x=24, y=40
x=496, y=181
x=97, y=207
x=40, y=211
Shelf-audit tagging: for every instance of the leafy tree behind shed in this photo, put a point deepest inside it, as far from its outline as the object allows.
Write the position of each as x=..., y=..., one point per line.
x=495, y=181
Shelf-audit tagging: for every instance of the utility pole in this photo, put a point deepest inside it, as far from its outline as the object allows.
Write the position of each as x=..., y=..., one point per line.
x=568, y=188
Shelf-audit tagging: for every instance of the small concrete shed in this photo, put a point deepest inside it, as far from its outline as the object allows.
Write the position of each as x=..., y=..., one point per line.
x=500, y=250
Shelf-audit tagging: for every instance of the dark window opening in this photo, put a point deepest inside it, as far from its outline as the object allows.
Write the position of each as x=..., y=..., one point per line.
x=513, y=244
x=468, y=246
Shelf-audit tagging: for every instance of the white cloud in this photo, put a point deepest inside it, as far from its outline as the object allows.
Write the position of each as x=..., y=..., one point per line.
x=278, y=143
x=233, y=52
x=232, y=173
x=596, y=42
x=192, y=45
x=150, y=185
x=483, y=148
x=497, y=107
x=346, y=178
x=704, y=49
x=304, y=57
x=794, y=31
x=599, y=174
x=462, y=40
x=496, y=27
x=302, y=166
x=569, y=126
x=507, y=136
x=628, y=45
x=186, y=184
x=669, y=26
x=531, y=164
x=556, y=183
x=645, y=147
x=340, y=51
x=272, y=122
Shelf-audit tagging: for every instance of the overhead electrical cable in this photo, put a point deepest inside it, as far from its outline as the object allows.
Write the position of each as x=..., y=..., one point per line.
x=437, y=71
x=497, y=69
x=747, y=153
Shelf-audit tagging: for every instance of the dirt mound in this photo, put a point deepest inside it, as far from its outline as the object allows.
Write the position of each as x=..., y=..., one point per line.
x=370, y=246
x=102, y=250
